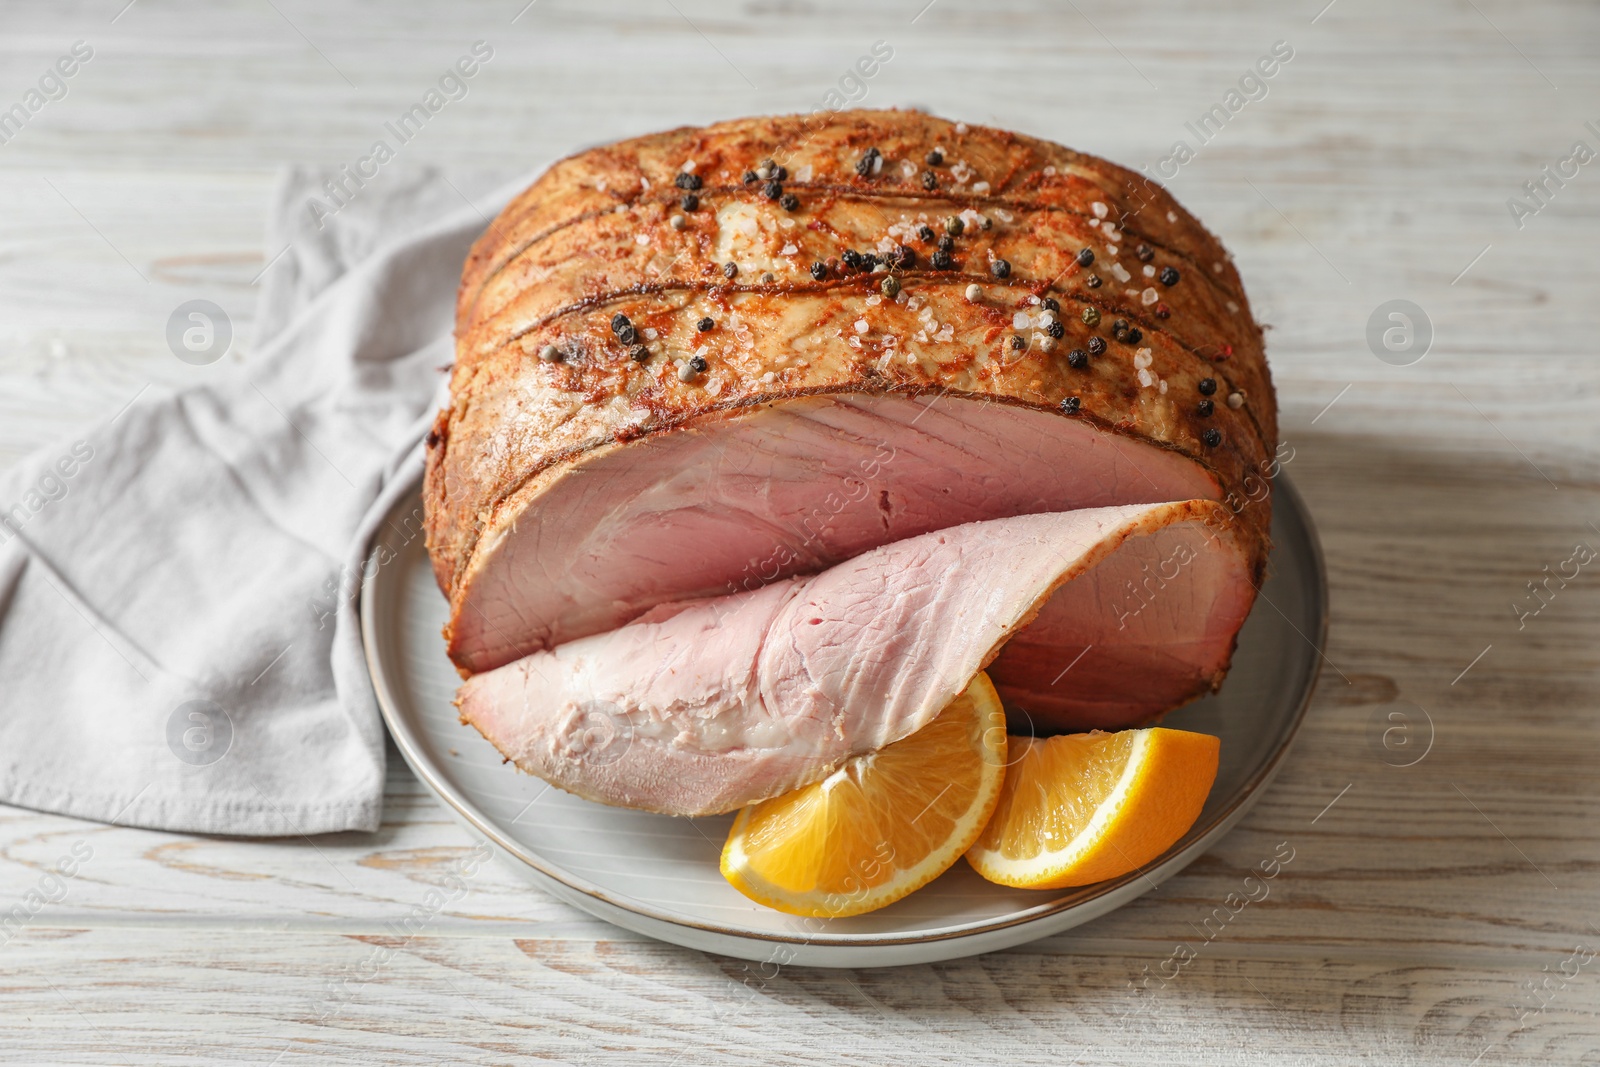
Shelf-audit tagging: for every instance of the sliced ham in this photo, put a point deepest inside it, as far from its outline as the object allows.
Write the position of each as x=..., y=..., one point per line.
x=705, y=706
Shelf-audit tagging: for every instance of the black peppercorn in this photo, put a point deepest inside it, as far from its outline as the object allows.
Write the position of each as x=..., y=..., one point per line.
x=1000, y=268
x=865, y=163
x=699, y=364
x=751, y=176
x=772, y=190
x=1049, y=304
x=852, y=259
x=730, y=269
x=789, y=202
x=781, y=173
x=628, y=335
x=930, y=180
x=1085, y=257
x=1212, y=437
x=819, y=270
x=947, y=243
x=924, y=232
x=1169, y=276
x=1204, y=409
x=1135, y=335
x=1077, y=359
x=1092, y=281
x=903, y=258
x=705, y=324
x=941, y=260
x=1056, y=330
x=1071, y=405
x=1097, y=346
x=934, y=158
x=1144, y=253
x=638, y=353
x=685, y=180
x=618, y=321
x=690, y=202
x=1018, y=342
x=1207, y=386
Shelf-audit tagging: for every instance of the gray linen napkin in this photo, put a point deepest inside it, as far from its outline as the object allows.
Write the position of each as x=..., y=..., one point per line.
x=179, y=646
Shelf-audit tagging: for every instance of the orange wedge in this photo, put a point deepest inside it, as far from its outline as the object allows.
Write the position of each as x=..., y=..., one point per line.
x=1082, y=808
x=880, y=826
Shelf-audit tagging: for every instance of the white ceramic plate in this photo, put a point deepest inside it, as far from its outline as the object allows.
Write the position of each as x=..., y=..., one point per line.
x=658, y=875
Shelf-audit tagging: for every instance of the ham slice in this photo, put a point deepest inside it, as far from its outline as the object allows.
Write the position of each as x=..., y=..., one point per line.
x=705, y=706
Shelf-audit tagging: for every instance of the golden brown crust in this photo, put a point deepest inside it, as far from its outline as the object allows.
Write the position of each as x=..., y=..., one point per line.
x=596, y=236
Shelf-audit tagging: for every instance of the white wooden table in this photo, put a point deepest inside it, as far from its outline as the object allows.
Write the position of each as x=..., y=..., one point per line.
x=1429, y=911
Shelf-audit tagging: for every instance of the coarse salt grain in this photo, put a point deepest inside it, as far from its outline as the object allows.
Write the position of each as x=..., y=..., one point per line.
x=1163, y=385
x=1149, y=271
x=1145, y=379
x=961, y=127
x=1094, y=224
x=1233, y=309
x=1172, y=216
x=1004, y=215
x=790, y=249
x=688, y=166
x=874, y=300
x=980, y=188
x=1050, y=172
x=1111, y=249
x=1149, y=296
x=1099, y=209
x=650, y=333
x=1119, y=272
x=642, y=239
x=803, y=174
x=861, y=326
x=1019, y=321
x=1142, y=358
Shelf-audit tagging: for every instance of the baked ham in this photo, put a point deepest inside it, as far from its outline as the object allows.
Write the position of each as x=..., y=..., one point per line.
x=698, y=363
x=703, y=707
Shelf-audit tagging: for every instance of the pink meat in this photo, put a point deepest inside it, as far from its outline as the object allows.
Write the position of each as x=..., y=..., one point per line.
x=780, y=489
x=705, y=706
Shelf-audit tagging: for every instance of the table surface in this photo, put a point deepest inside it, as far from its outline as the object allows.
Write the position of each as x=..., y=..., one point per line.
x=1441, y=802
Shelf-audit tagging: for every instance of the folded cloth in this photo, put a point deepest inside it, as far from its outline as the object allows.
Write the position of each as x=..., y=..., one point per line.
x=179, y=642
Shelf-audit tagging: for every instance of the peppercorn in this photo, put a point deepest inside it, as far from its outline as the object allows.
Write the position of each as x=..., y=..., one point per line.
x=1212, y=437
x=941, y=260
x=1055, y=329
x=1018, y=342
x=934, y=158
x=550, y=354
x=685, y=180
x=628, y=335
x=638, y=353
x=924, y=232
x=705, y=324
x=930, y=180
x=903, y=257
x=1092, y=281
x=890, y=287
x=1091, y=317
x=1049, y=304
x=1000, y=268
x=691, y=369
x=789, y=202
x=772, y=190
x=781, y=173
x=730, y=269
x=1169, y=276
x=1097, y=346
x=751, y=176
x=690, y=202
x=677, y=222
x=1135, y=335
x=1144, y=253
x=1070, y=405
x=618, y=321
x=1077, y=359
x=953, y=225
x=864, y=164
x=1085, y=257
x=1207, y=386
x=1204, y=409
x=819, y=270
x=852, y=259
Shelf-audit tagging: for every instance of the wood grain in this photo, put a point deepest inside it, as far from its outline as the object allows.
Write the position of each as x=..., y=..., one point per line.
x=1420, y=905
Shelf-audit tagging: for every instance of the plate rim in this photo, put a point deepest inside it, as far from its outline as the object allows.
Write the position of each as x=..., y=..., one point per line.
x=574, y=889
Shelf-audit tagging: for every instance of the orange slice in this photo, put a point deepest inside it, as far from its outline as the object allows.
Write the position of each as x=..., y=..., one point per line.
x=1082, y=808
x=880, y=826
